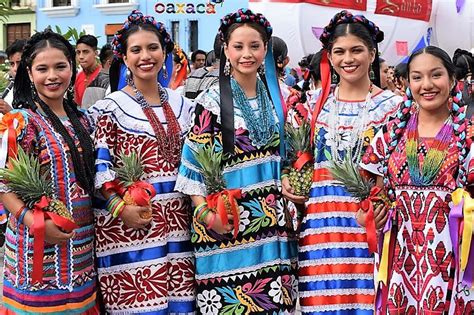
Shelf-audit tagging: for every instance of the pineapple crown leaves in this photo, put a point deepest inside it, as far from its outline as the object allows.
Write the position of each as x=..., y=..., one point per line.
x=131, y=171
x=298, y=139
x=210, y=163
x=24, y=178
x=347, y=174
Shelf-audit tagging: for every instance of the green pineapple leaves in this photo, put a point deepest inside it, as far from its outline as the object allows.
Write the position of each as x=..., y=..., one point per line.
x=131, y=171
x=210, y=161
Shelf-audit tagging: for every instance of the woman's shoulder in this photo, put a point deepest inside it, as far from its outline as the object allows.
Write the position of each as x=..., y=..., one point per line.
x=386, y=98
x=210, y=99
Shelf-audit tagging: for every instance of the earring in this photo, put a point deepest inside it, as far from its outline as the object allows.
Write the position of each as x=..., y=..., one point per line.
x=371, y=74
x=261, y=69
x=450, y=103
x=33, y=90
x=129, y=77
x=165, y=72
x=334, y=77
x=227, y=67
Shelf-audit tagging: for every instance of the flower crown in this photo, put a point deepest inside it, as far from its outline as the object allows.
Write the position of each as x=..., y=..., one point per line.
x=244, y=16
x=137, y=18
x=346, y=17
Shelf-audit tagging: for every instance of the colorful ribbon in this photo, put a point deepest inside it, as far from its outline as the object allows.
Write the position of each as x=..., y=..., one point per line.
x=367, y=205
x=216, y=201
x=303, y=158
x=141, y=192
x=325, y=70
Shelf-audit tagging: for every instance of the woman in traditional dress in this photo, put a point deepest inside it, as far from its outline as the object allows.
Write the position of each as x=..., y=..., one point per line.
x=250, y=269
x=335, y=266
x=145, y=263
x=58, y=135
x=423, y=156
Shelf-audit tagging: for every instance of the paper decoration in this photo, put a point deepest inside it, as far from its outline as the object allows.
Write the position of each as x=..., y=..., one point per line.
x=317, y=31
x=460, y=5
x=402, y=48
x=417, y=10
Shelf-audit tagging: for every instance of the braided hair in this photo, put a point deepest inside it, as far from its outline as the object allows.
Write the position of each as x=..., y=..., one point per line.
x=25, y=97
x=345, y=23
x=313, y=74
x=405, y=111
x=463, y=60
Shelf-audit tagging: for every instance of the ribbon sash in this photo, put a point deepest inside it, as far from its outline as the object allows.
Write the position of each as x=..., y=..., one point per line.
x=367, y=205
x=38, y=244
x=303, y=158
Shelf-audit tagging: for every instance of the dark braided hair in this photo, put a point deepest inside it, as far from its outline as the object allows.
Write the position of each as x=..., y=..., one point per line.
x=345, y=23
x=463, y=61
x=25, y=97
x=404, y=113
x=314, y=74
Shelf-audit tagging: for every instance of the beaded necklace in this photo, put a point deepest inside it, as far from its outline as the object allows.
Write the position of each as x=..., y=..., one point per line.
x=435, y=155
x=261, y=127
x=357, y=133
x=169, y=142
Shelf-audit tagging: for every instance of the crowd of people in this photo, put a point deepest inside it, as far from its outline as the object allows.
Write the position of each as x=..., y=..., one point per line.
x=209, y=220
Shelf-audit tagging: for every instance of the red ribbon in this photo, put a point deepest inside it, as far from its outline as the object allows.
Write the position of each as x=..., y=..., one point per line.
x=367, y=205
x=38, y=230
x=303, y=158
x=141, y=192
x=216, y=201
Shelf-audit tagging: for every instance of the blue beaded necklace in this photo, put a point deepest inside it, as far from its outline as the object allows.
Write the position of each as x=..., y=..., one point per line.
x=261, y=127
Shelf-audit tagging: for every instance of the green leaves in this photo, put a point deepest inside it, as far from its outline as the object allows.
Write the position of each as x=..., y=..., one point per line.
x=132, y=169
x=210, y=162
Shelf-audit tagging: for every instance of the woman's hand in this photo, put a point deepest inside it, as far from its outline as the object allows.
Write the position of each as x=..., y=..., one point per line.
x=53, y=235
x=380, y=216
x=132, y=216
x=217, y=225
x=288, y=192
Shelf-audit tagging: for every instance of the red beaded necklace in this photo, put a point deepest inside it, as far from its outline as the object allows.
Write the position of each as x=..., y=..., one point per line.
x=169, y=142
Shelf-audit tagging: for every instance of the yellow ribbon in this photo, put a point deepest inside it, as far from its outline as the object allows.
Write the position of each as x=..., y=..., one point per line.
x=457, y=196
x=383, y=268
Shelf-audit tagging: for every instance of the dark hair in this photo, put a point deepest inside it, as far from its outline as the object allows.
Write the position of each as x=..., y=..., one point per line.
x=315, y=74
x=25, y=97
x=167, y=47
x=210, y=58
x=89, y=40
x=217, y=47
x=401, y=71
x=197, y=52
x=404, y=113
x=463, y=61
x=106, y=53
x=16, y=47
x=280, y=53
x=259, y=28
x=381, y=60
x=305, y=61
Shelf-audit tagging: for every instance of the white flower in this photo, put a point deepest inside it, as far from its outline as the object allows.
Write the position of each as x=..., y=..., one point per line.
x=244, y=218
x=280, y=210
x=275, y=291
x=209, y=302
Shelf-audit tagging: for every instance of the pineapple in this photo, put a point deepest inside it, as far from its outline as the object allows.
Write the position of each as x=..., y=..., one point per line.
x=298, y=140
x=129, y=174
x=211, y=169
x=24, y=178
x=347, y=173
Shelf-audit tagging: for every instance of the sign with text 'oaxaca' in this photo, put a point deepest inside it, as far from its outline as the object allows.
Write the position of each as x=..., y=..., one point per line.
x=187, y=8
x=411, y=9
x=344, y=4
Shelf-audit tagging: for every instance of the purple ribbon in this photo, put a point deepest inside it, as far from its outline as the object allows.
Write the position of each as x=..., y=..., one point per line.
x=455, y=219
x=469, y=272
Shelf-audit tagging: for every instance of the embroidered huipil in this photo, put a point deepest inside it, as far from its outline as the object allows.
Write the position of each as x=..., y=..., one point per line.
x=255, y=273
x=423, y=277
x=335, y=267
x=149, y=270
x=69, y=277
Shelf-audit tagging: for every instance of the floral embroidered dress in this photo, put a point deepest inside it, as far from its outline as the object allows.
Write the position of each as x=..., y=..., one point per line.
x=423, y=279
x=69, y=277
x=255, y=273
x=143, y=271
x=335, y=267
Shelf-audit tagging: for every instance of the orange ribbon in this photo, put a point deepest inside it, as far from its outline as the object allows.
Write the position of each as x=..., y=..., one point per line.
x=303, y=158
x=216, y=201
x=367, y=205
x=8, y=123
x=38, y=230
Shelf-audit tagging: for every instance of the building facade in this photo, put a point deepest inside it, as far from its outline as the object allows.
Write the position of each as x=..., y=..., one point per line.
x=19, y=24
x=192, y=23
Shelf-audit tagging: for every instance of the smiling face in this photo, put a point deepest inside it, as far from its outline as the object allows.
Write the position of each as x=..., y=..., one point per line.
x=429, y=82
x=144, y=56
x=50, y=73
x=246, y=51
x=351, y=58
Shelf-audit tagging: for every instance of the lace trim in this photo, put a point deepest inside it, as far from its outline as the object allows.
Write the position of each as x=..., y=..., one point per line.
x=334, y=229
x=328, y=215
x=239, y=247
x=340, y=245
x=261, y=185
x=336, y=307
x=103, y=177
x=266, y=159
x=332, y=261
x=190, y=187
x=331, y=198
x=342, y=276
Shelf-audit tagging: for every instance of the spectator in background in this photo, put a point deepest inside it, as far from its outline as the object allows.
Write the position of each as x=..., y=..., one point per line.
x=198, y=59
x=203, y=78
x=401, y=78
x=383, y=74
x=14, y=52
x=280, y=54
x=463, y=60
x=100, y=87
x=180, y=69
x=86, y=52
